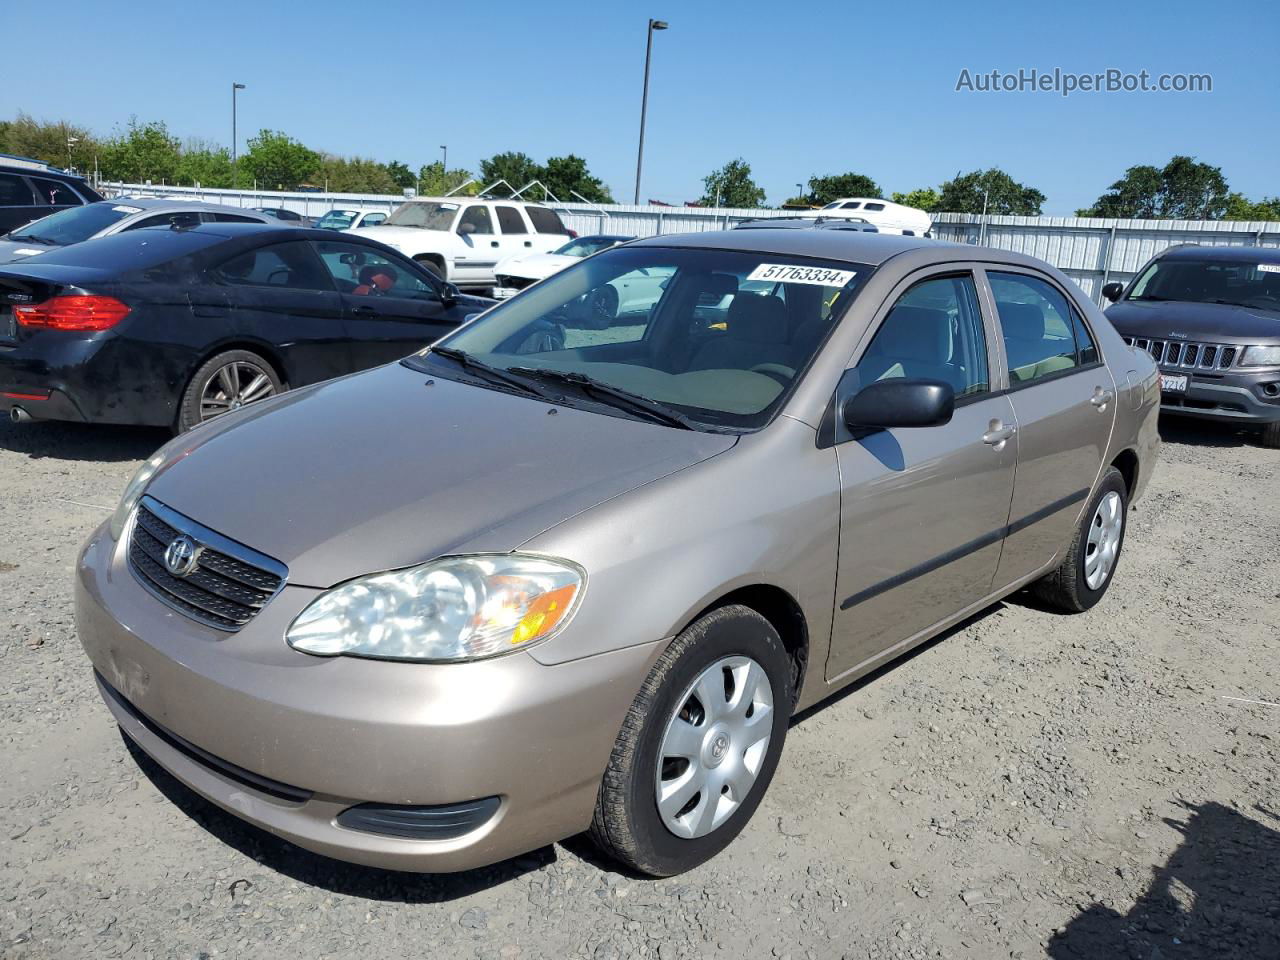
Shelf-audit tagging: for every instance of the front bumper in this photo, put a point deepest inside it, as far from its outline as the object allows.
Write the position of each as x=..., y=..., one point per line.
x=1237, y=397
x=343, y=732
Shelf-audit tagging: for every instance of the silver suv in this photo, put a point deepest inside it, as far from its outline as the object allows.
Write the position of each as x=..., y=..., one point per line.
x=550, y=576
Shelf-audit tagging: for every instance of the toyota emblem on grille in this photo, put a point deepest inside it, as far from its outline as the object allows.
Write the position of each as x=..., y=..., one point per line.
x=180, y=556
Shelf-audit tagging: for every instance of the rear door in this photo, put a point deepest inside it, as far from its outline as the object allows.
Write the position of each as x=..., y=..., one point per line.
x=281, y=294
x=17, y=202
x=1063, y=398
x=391, y=308
x=922, y=510
x=515, y=237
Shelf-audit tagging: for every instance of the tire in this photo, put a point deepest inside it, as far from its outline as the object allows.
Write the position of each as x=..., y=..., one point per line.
x=1271, y=435
x=429, y=264
x=206, y=394
x=602, y=308
x=628, y=824
x=1075, y=585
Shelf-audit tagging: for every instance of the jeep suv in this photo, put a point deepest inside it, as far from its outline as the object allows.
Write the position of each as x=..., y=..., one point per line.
x=461, y=239
x=30, y=189
x=1210, y=316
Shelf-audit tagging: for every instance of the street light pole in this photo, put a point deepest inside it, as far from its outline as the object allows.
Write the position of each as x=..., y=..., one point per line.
x=235, y=158
x=644, y=99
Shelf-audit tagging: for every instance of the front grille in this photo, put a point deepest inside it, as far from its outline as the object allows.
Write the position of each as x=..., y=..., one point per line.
x=515, y=283
x=1176, y=355
x=228, y=584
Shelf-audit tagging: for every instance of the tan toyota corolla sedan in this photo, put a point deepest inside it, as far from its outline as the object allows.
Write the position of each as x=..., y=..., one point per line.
x=576, y=566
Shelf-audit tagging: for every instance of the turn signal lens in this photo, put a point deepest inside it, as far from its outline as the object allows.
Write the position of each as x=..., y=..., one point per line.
x=86, y=314
x=544, y=613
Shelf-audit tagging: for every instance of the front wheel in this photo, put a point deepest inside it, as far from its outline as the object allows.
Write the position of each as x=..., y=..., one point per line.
x=1085, y=573
x=699, y=745
x=226, y=382
x=1271, y=435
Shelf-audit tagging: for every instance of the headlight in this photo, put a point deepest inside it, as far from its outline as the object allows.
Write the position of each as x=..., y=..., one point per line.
x=457, y=608
x=1260, y=357
x=133, y=492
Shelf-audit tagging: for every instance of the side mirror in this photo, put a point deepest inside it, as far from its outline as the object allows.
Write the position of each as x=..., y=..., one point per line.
x=1113, y=290
x=900, y=403
x=466, y=228
x=451, y=293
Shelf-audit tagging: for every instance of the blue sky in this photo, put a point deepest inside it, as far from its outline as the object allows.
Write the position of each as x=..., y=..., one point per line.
x=796, y=89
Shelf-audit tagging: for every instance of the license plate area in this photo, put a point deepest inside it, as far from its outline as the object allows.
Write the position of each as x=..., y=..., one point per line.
x=1174, y=382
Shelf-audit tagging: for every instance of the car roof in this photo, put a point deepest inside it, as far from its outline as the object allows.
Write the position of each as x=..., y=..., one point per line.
x=504, y=200
x=616, y=237
x=173, y=203
x=1193, y=251
x=850, y=245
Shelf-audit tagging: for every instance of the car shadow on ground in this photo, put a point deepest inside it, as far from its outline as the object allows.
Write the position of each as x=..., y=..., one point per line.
x=51, y=440
x=1217, y=896
x=1205, y=433
x=348, y=879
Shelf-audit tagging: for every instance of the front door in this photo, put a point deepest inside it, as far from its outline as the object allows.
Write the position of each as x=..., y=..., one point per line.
x=480, y=249
x=1064, y=399
x=390, y=309
x=922, y=510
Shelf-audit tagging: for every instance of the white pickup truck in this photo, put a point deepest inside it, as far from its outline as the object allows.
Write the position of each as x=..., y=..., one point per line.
x=462, y=239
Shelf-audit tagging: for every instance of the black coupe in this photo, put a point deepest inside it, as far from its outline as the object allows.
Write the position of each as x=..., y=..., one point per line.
x=173, y=326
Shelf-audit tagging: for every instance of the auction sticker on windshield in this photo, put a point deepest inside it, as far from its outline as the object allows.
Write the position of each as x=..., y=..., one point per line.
x=790, y=273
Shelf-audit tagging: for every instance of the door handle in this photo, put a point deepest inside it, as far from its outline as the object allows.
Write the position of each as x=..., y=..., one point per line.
x=528, y=243
x=1101, y=398
x=364, y=311
x=997, y=433
x=493, y=243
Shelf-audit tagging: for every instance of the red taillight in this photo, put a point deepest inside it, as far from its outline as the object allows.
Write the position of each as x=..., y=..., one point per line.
x=82, y=313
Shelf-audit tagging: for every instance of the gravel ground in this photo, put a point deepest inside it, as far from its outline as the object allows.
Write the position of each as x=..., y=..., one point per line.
x=1030, y=785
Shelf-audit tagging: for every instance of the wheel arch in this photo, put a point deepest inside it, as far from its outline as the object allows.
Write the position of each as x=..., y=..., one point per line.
x=435, y=258
x=1127, y=463
x=263, y=349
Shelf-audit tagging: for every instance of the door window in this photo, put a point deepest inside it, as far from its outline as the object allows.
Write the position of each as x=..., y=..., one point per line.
x=186, y=218
x=373, y=219
x=510, y=221
x=289, y=265
x=231, y=218
x=544, y=220
x=1037, y=325
x=933, y=332
x=14, y=191
x=478, y=218
x=56, y=194
x=363, y=272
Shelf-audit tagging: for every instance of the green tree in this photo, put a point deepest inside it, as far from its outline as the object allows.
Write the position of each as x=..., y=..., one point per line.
x=47, y=141
x=732, y=186
x=567, y=176
x=143, y=151
x=435, y=181
x=1240, y=208
x=1002, y=194
x=822, y=190
x=1183, y=189
x=277, y=161
x=515, y=168
x=922, y=198
x=354, y=175
x=204, y=163
x=401, y=175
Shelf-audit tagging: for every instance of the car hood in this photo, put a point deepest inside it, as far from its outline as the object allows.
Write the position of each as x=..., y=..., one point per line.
x=12, y=251
x=1219, y=322
x=394, y=236
x=380, y=470
x=535, y=266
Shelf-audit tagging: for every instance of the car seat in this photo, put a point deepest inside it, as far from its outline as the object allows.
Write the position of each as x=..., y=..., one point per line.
x=756, y=333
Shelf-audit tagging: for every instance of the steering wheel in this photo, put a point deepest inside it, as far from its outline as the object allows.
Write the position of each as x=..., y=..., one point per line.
x=778, y=371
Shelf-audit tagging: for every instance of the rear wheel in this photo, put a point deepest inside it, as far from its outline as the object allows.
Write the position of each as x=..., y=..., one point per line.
x=226, y=382
x=1271, y=435
x=431, y=265
x=699, y=745
x=1085, y=573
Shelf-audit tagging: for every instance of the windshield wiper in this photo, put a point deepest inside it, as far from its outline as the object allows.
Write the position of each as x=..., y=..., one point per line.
x=614, y=396
x=32, y=238
x=1228, y=303
x=487, y=372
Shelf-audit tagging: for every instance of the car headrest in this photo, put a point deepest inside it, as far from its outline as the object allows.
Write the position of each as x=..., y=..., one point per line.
x=758, y=318
x=1021, y=321
x=922, y=334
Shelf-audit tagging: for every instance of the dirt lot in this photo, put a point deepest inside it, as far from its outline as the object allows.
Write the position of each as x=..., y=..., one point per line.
x=1030, y=785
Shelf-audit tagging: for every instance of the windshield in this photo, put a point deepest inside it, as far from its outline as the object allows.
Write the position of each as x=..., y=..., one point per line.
x=1239, y=282
x=720, y=337
x=74, y=225
x=586, y=246
x=429, y=215
x=337, y=219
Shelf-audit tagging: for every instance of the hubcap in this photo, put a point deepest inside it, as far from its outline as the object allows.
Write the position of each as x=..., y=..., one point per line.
x=714, y=746
x=1103, y=544
x=232, y=386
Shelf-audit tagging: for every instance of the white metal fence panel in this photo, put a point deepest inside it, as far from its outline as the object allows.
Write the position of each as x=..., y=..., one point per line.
x=1090, y=250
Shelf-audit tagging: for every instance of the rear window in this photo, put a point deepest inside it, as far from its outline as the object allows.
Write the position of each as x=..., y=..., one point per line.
x=131, y=250
x=544, y=220
x=14, y=191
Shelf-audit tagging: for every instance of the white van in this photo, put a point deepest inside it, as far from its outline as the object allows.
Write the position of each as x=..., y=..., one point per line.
x=887, y=216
